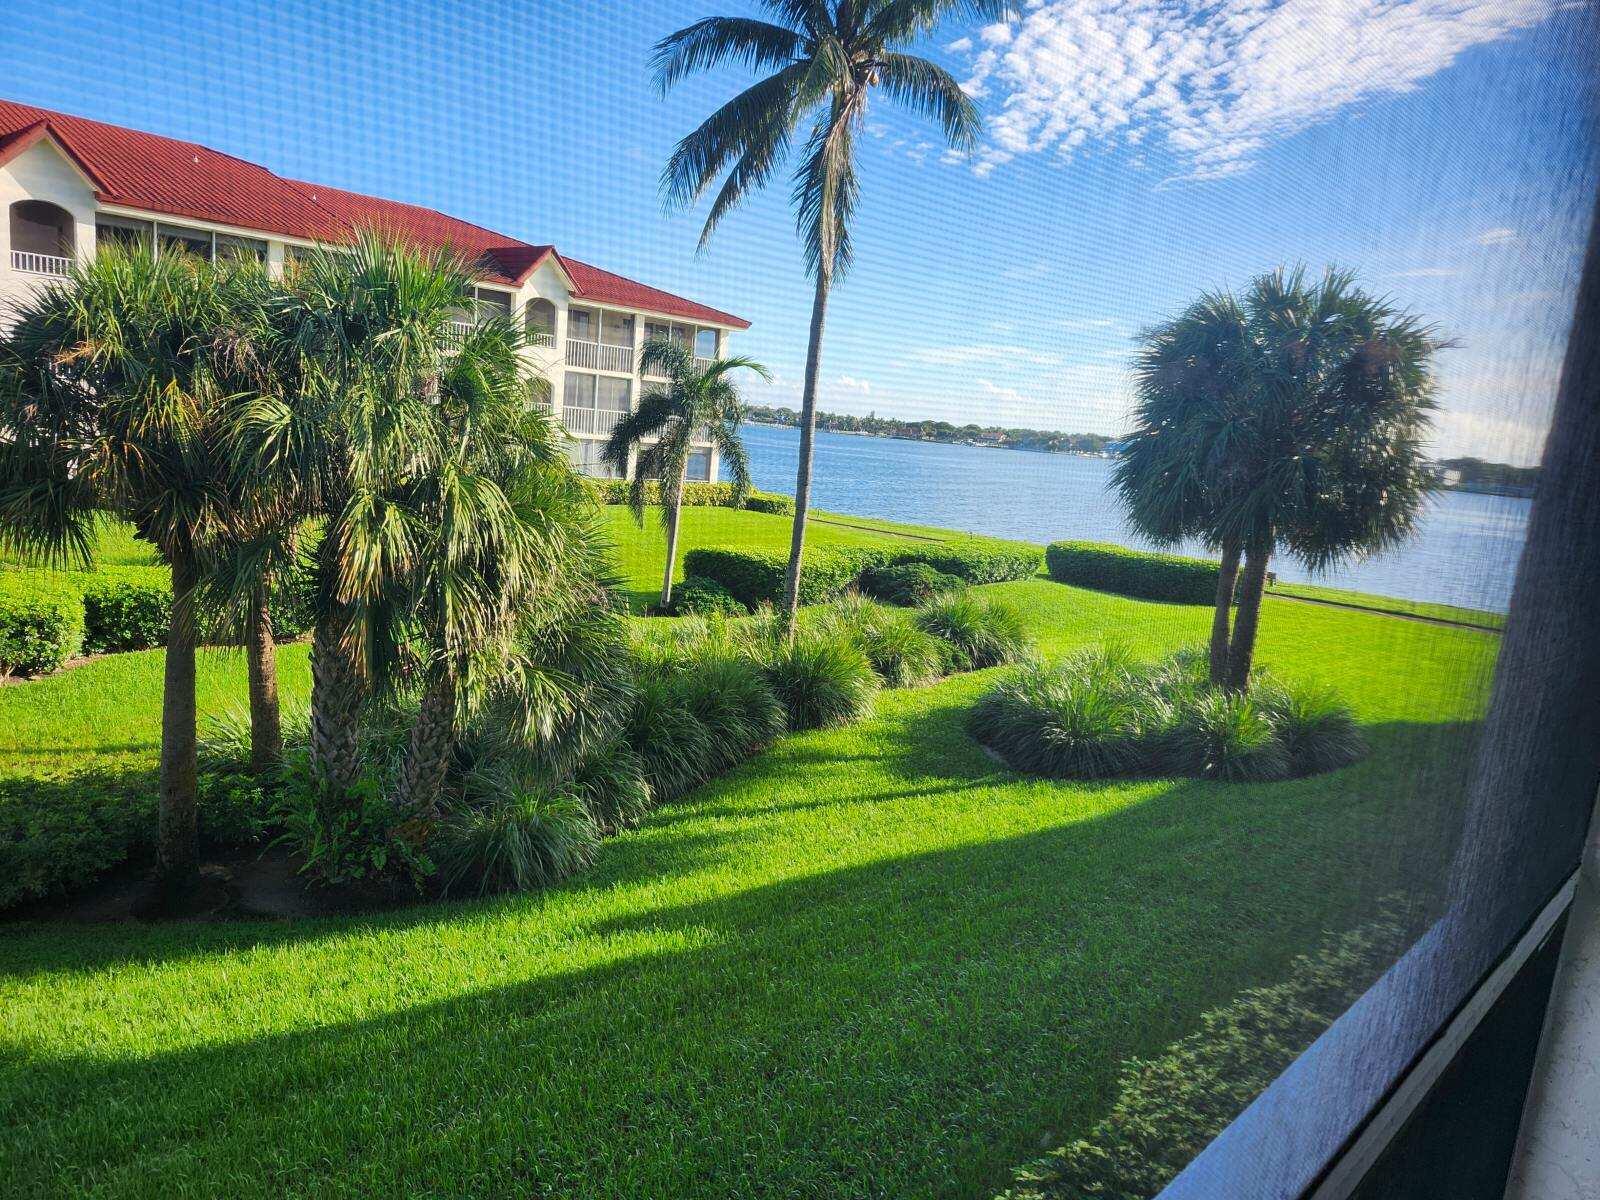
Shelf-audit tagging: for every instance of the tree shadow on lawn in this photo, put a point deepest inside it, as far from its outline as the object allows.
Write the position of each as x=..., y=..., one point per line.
x=907, y=1026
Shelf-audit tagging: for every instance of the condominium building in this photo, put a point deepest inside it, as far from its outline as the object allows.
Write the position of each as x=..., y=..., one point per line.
x=69, y=185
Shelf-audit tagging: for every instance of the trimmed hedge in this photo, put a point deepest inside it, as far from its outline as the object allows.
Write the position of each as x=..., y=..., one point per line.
x=696, y=495
x=125, y=616
x=704, y=596
x=1169, y=1107
x=906, y=584
x=37, y=636
x=1140, y=573
x=755, y=577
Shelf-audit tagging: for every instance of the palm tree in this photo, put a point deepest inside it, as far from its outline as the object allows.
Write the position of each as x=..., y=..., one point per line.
x=1293, y=419
x=368, y=331
x=110, y=402
x=1193, y=385
x=1335, y=461
x=825, y=58
x=697, y=404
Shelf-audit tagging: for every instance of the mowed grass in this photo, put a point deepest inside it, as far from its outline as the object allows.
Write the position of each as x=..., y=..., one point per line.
x=867, y=963
x=1394, y=604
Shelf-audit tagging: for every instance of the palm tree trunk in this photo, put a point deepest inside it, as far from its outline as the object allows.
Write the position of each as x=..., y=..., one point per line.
x=672, y=546
x=336, y=694
x=808, y=434
x=428, y=751
x=261, y=656
x=1227, y=578
x=177, y=843
x=1242, y=648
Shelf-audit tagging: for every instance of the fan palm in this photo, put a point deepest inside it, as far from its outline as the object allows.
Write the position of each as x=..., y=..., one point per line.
x=825, y=57
x=111, y=401
x=1294, y=419
x=697, y=404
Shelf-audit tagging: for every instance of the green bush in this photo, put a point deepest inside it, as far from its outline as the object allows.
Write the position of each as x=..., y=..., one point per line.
x=516, y=839
x=125, y=616
x=730, y=697
x=37, y=636
x=907, y=584
x=704, y=596
x=977, y=561
x=980, y=632
x=770, y=502
x=1169, y=1107
x=345, y=837
x=822, y=678
x=901, y=652
x=1098, y=715
x=1142, y=574
x=1081, y=719
x=59, y=832
x=669, y=739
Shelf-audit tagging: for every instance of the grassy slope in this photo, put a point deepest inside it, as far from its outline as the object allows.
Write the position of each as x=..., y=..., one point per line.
x=868, y=963
x=1394, y=604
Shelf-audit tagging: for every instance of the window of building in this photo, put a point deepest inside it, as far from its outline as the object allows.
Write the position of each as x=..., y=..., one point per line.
x=126, y=232
x=581, y=324
x=180, y=238
x=585, y=455
x=697, y=467
x=242, y=247
x=611, y=393
x=705, y=343
x=492, y=303
x=616, y=329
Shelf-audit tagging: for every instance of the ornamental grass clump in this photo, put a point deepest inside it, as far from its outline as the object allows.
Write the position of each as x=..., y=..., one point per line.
x=901, y=652
x=979, y=631
x=730, y=696
x=822, y=678
x=516, y=839
x=672, y=743
x=1100, y=715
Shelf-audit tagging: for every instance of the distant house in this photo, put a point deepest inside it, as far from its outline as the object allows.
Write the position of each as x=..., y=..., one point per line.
x=69, y=185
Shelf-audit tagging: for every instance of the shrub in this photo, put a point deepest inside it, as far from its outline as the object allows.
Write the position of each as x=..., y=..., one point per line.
x=755, y=577
x=980, y=632
x=730, y=697
x=699, y=595
x=235, y=810
x=1318, y=730
x=695, y=495
x=125, y=616
x=516, y=839
x=1222, y=736
x=901, y=652
x=37, y=636
x=59, y=832
x=1169, y=1107
x=770, y=502
x=669, y=739
x=612, y=785
x=822, y=679
x=1097, y=715
x=353, y=837
x=1139, y=573
x=978, y=561
x=907, y=584
x=1081, y=719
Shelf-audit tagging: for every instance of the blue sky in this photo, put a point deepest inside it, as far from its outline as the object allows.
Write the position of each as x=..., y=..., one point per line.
x=1137, y=151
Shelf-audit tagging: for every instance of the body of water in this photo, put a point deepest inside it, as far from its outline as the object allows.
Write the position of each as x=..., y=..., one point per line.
x=1465, y=551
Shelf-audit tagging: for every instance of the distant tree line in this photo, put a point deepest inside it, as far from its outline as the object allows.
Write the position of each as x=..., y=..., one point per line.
x=1047, y=440
x=1476, y=475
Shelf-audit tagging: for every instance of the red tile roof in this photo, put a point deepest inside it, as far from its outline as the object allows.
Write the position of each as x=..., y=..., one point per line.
x=184, y=179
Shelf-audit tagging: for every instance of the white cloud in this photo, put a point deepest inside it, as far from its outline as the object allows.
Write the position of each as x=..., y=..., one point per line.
x=960, y=45
x=1218, y=79
x=1495, y=237
x=980, y=352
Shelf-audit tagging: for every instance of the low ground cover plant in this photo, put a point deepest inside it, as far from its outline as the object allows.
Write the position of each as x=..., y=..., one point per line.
x=1100, y=714
x=1143, y=574
x=1169, y=1107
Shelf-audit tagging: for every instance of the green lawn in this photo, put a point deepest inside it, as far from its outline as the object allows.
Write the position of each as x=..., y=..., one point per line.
x=866, y=963
x=1393, y=604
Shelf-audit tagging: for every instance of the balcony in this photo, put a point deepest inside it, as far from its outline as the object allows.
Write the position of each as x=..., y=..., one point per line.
x=590, y=420
x=599, y=356
x=40, y=264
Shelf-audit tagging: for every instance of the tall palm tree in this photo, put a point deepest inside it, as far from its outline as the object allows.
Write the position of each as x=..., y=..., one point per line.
x=825, y=57
x=1192, y=415
x=110, y=401
x=1294, y=419
x=696, y=404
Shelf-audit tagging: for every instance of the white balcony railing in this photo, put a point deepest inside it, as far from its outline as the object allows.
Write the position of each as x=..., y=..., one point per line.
x=590, y=420
x=597, y=356
x=456, y=334
x=40, y=264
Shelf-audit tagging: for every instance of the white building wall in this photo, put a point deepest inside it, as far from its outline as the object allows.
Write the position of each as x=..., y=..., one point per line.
x=41, y=172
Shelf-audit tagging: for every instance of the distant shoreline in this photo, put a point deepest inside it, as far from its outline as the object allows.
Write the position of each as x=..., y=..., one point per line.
x=897, y=437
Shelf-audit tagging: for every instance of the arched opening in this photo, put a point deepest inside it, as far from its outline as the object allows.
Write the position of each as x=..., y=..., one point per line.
x=540, y=316
x=41, y=237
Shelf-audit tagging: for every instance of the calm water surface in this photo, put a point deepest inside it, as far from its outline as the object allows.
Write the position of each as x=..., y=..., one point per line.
x=1464, y=553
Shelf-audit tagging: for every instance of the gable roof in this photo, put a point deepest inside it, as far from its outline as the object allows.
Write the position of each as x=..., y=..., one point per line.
x=175, y=178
